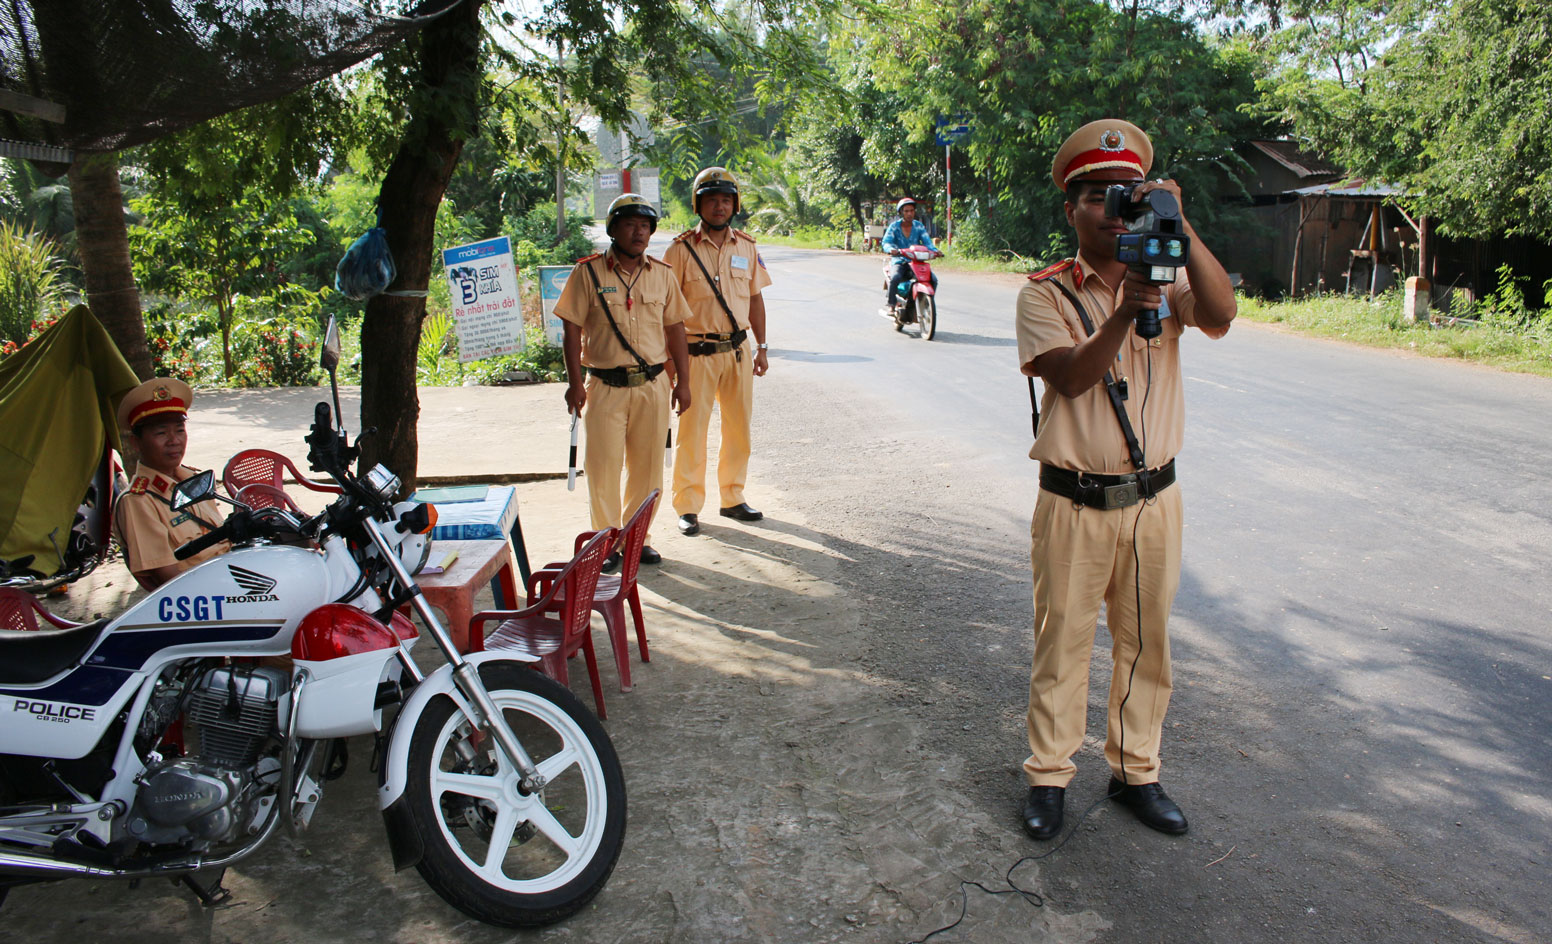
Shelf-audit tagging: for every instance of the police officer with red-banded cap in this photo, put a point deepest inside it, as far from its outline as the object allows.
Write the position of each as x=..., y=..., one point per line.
x=1107, y=521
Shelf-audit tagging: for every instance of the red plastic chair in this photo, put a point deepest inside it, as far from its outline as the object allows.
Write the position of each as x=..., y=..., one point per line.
x=553, y=641
x=19, y=610
x=263, y=495
x=614, y=592
x=262, y=467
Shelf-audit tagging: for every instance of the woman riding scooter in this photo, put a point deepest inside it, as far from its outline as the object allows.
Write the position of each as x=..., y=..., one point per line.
x=903, y=233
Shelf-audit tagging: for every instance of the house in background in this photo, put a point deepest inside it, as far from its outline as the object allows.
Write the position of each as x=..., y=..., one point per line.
x=1315, y=231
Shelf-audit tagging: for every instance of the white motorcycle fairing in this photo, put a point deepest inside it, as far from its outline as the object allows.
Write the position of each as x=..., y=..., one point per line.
x=245, y=603
x=395, y=774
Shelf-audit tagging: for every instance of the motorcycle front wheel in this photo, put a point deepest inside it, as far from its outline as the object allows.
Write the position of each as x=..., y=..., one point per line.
x=927, y=316
x=498, y=856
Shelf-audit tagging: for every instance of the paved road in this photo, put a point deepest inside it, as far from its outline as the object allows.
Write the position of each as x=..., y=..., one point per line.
x=1361, y=719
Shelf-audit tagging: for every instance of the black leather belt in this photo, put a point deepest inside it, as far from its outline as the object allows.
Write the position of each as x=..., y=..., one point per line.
x=626, y=376
x=702, y=348
x=717, y=343
x=1107, y=491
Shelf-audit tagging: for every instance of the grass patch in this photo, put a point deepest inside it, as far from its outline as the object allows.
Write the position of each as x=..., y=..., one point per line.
x=1495, y=342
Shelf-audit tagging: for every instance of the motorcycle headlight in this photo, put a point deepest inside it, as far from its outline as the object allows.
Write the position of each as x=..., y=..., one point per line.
x=383, y=482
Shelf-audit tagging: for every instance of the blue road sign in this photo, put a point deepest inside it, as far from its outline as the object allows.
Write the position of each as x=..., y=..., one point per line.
x=951, y=128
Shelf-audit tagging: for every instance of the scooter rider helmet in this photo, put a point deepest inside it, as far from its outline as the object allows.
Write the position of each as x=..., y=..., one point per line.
x=904, y=202
x=714, y=180
x=630, y=204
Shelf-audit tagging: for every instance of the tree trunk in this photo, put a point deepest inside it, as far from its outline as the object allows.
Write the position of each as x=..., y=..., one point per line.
x=102, y=239
x=561, y=130
x=449, y=64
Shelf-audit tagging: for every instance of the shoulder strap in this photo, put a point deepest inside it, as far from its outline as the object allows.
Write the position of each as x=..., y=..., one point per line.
x=714, y=289
x=738, y=334
x=168, y=502
x=1132, y=448
x=599, y=288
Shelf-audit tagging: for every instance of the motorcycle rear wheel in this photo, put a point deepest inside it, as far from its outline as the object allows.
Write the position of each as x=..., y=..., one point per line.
x=927, y=316
x=500, y=857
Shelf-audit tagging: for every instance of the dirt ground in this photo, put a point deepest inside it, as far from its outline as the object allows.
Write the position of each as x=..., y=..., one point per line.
x=780, y=790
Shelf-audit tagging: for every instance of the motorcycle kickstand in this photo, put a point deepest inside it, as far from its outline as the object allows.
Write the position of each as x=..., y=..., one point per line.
x=210, y=892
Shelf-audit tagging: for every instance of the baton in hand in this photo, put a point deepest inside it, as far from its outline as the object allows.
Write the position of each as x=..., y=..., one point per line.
x=571, y=471
x=668, y=448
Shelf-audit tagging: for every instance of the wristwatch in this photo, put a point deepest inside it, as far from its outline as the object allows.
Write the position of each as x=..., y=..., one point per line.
x=762, y=347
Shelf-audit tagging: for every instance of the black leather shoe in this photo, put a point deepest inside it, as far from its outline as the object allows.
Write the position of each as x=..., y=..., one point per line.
x=742, y=512
x=649, y=556
x=612, y=563
x=1151, y=805
x=689, y=525
x=1043, y=811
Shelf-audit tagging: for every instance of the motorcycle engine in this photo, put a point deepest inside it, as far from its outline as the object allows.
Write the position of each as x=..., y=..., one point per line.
x=210, y=795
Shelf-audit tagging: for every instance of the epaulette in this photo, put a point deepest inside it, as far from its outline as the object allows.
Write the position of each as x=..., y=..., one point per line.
x=1051, y=270
x=738, y=233
x=139, y=485
x=686, y=234
x=661, y=262
x=596, y=255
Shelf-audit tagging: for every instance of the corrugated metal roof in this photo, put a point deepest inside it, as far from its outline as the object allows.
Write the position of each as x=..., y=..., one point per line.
x=1356, y=187
x=1304, y=164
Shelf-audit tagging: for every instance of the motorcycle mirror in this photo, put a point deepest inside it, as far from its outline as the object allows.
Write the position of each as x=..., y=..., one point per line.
x=195, y=488
x=330, y=357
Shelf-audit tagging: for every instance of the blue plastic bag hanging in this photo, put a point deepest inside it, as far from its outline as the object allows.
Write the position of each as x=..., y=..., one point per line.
x=367, y=268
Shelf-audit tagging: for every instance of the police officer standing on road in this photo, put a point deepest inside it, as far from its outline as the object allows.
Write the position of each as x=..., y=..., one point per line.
x=1107, y=528
x=721, y=276
x=624, y=318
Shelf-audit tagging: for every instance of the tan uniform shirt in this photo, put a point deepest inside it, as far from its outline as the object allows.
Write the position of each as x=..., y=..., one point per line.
x=150, y=530
x=642, y=303
x=1082, y=433
x=735, y=267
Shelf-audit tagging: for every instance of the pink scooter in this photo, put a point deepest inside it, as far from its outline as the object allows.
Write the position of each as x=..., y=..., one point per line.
x=919, y=303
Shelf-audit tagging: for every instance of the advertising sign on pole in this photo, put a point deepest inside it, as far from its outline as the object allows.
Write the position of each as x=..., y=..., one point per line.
x=551, y=280
x=486, y=309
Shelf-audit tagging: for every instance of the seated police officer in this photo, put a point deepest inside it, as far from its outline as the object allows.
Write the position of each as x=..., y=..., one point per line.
x=153, y=418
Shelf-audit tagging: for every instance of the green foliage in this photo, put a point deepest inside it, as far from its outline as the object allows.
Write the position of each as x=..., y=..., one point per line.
x=543, y=360
x=30, y=282
x=1449, y=102
x=38, y=204
x=533, y=238
x=776, y=204
x=1027, y=73
x=1506, y=306
x=185, y=342
x=281, y=351
x=215, y=251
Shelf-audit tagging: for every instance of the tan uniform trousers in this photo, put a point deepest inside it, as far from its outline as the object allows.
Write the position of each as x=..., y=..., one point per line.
x=625, y=427
x=730, y=382
x=1080, y=556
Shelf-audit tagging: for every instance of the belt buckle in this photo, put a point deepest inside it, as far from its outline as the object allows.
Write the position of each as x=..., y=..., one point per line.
x=634, y=378
x=1123, y=494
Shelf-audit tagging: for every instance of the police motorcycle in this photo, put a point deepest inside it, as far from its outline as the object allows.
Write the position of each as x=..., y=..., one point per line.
x=917, y=298
x=175, y=740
